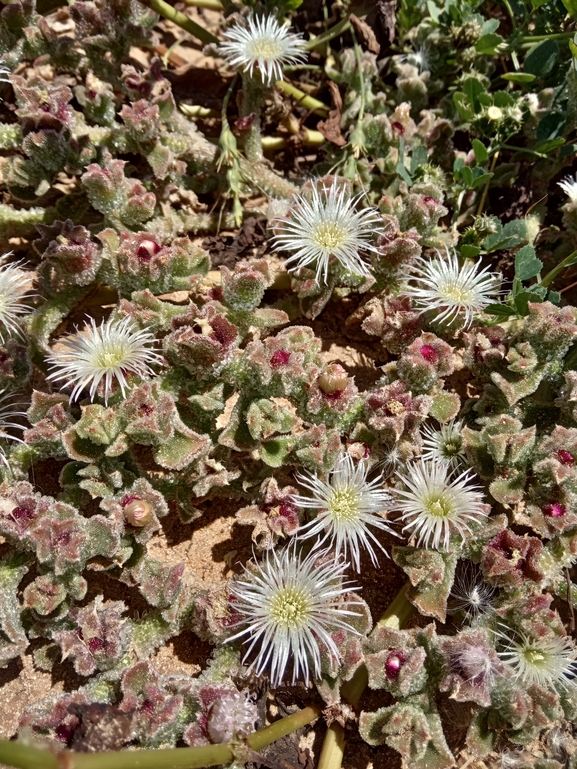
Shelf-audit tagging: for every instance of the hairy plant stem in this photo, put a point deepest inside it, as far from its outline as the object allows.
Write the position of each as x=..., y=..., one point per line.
x=20, y=222
x=255, y=174
x=396, y=616
x=26, y=757
x=253, y=97
x=170, y=13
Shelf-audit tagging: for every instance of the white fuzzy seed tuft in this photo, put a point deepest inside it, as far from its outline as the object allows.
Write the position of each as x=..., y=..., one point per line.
x=470, y=593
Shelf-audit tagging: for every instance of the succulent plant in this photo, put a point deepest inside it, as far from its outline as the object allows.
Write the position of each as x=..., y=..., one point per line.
x=426, y=222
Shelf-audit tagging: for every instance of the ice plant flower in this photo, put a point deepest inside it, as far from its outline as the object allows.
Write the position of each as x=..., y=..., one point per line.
x=550, y=661
x=569, y=187
x=453, y=292
x=15, y=284
x=103, y=354
x=8, y=412
x=264, y=44
x=436, y=503
x=444, y=445
x=348, y=504
x=289, y=606
x=325, y=226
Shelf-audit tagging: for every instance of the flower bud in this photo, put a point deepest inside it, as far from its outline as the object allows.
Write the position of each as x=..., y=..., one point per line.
x=394, y=663
x=333, y=379
x=138, y=513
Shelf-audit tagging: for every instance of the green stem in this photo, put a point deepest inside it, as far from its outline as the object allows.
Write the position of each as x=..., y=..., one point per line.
x=396, y=616
x=212, y=5
x=20, y=222
x=531, y=39
x=260, y=176
x=310, y=139
x=522, y=149
x=507, y=5
x=304, y=100
x=486, y=187
x=361, y=78
x=329, y=34
x=298, y=67
x=25, y=757
x=190, y=26
x=550, y=277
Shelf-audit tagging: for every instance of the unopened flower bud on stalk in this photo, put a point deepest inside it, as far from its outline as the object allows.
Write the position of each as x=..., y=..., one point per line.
x=138, y=512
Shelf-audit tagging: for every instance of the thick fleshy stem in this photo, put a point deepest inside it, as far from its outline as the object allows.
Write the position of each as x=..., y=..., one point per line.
x=309, y=138
x=303, y=99
x=21, y=222
x=530, y=40
x=253, y=98
x=26, y=757
x=212, y=5
x=396, y=616
x=170, y=13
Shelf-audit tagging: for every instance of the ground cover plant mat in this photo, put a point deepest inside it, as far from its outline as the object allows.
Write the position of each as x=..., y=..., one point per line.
x=288, y=384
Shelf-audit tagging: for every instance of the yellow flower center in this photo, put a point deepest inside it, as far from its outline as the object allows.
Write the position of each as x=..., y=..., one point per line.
x=456, y=293
x=440, y=507
x=110, y=357
x=344, y=504
x=265, y=48
x=329, y=235
x=291, y=607
x=534, y=657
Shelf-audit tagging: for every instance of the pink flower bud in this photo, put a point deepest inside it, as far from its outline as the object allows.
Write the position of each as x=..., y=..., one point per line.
x=565, y=457
x=554, y=510
x=394, y=663
x=429, y=353
x=147, y=249
x=280, y=358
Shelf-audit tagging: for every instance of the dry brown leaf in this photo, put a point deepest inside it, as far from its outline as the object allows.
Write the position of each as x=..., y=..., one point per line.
x=331, y=127
x=366, y=36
